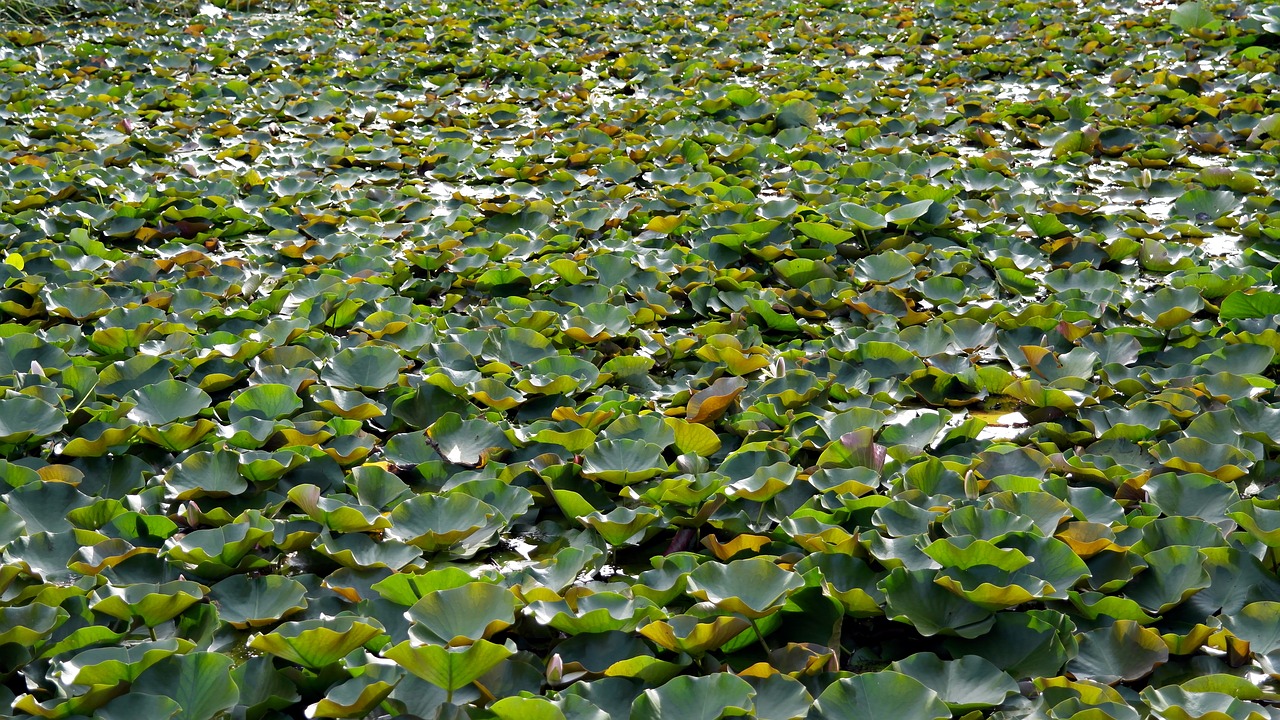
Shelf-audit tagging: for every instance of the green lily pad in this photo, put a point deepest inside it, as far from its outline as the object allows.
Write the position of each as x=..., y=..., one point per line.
x=622, y=462
x=1194, y=15
x=1256, y=625
x=199, y=682
x=862, y=217
x=1173, y=575
x=338, y=514
x=823, y=232
x=714, y=401
x=368, y=367
x=1191, y=495
x=30, y=624
x=622, y=526
x=593, y=612
x=466, y=442
x=315, y=644
x=206, y=474
x=850, y=580
x=221, y=551
x=692, y=635
x=136, y=705
x=166, y=401
x=884, y=268
x=247, y=602
x=112, y=665
x=462, y=615
x=909, y=213
x=1123, y=652
x=407, y=589
x=1177, y=703
x=439, y=522
x=268, y=401
x=1256, y=304
x=797, y=113
x=695, y=698
x=23, y=418
x=964, y=684
x=912, y=597
x=754, y=587
x=350, y=404
x=449, y=668
x=79, y=303
x=869, y=694
x=354, y=698
x=519, y=707
x=151, y=603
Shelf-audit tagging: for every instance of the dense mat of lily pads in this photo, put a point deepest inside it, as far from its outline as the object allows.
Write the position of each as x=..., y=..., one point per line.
x=642, y=360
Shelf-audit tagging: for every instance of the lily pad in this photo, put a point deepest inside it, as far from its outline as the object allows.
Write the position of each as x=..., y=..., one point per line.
x=199, y=682
x=868, y=694
x=247, y=602
x=754, y=587
x=466, y=442
x=622, y=462
x=1124, y=651
x=23, y=418
x=462, y=615
x=449, y=668
x=697, y=698
x=315, y=644
x=167, y=401
x=964, y=684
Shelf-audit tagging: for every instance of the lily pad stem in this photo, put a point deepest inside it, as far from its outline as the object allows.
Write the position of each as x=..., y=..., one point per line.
x=88, y=393
x=484, y=692
x=759, y=636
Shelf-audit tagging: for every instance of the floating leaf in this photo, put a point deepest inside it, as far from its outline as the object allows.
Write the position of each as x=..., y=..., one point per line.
x=315, y=644
x=449, y=668
x=1177, y=703
x=712, y=402
x=369, y=367
x=867, y=695
x=695, y=698
x=268, y=401
x=30, y=624
x=247, y=602
x=206, y=474
x=466, y=442
x=166, y=401
x=688, y=634
x=1256, y=624
x=1123, y=652
x=439, y=522
x=966, y=683
x=1257, y=304
x=23, y=417
x=131, y=706
x=354, y=698
x=199, y=682
x=622, y=526
x=754, y=587
x=152, y=603
x=593, y=612
x=462, y=615
x=622, y=462
x=912, y=597
x=1193, y=15
x=112, y=665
